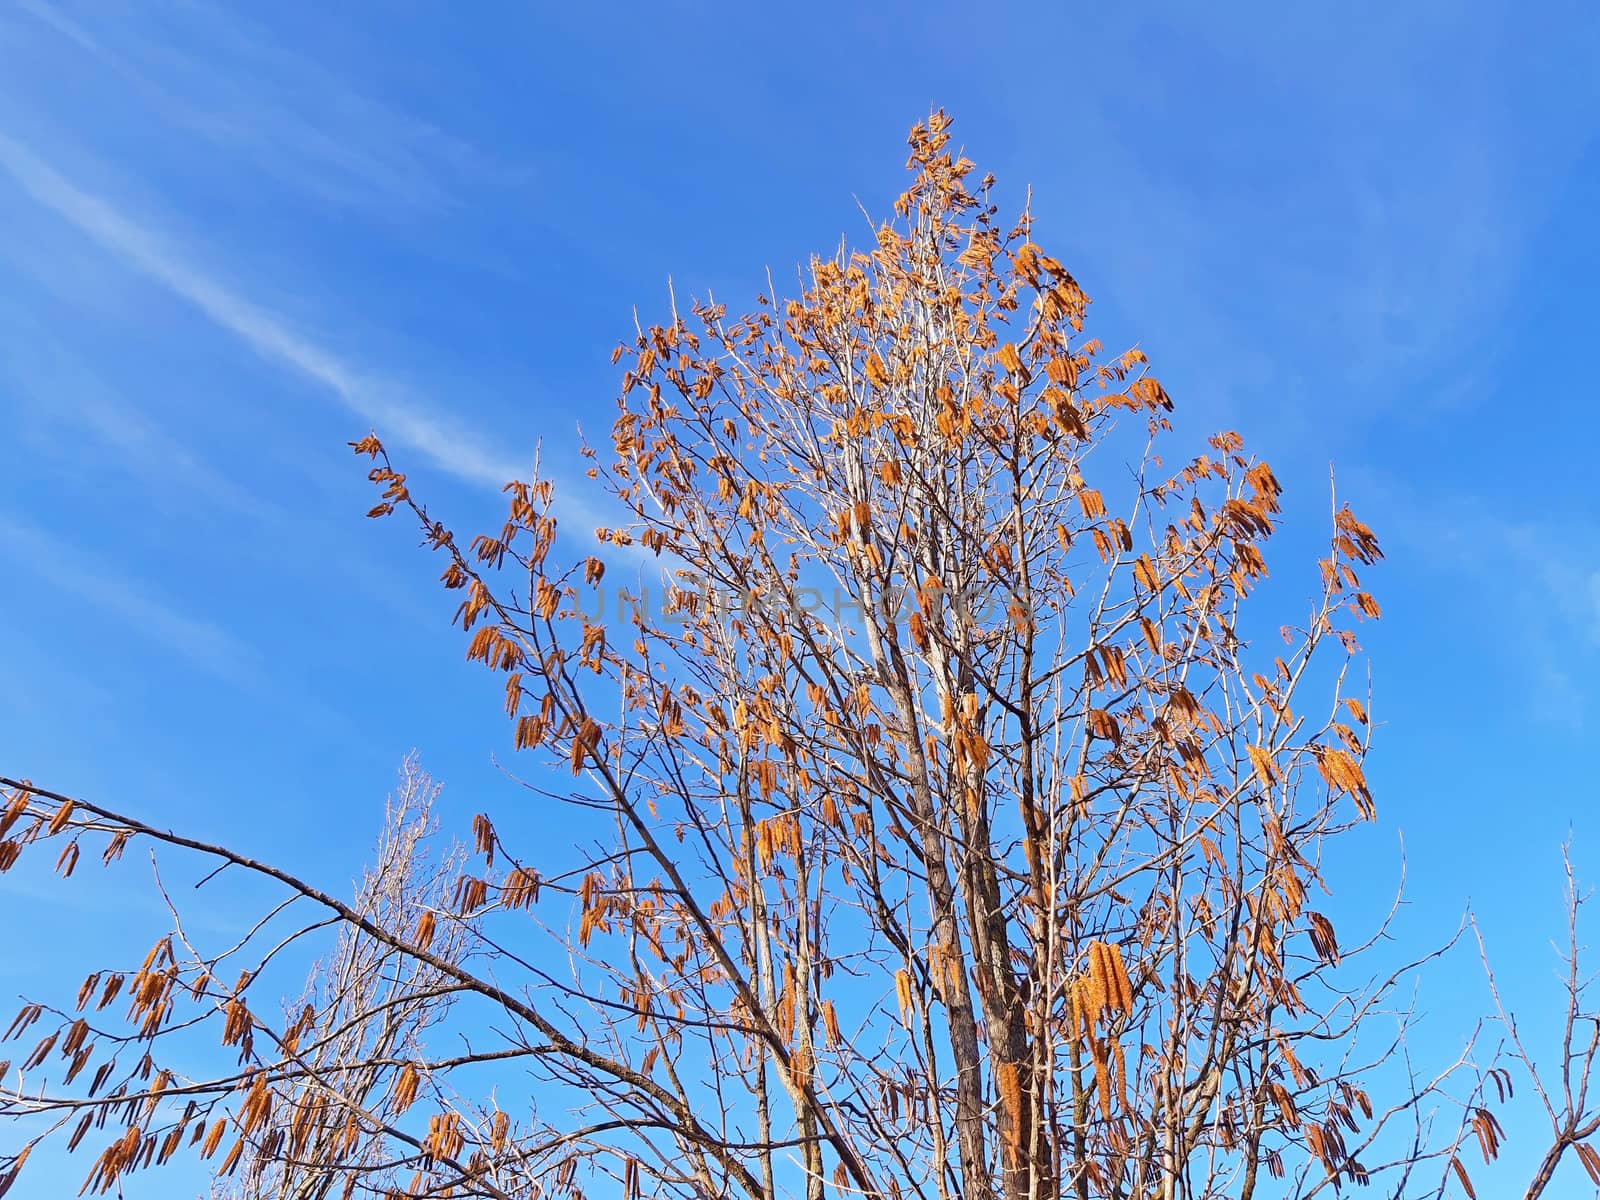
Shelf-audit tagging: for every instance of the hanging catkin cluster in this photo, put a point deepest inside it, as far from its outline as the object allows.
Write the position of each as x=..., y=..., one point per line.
x=1101, y=994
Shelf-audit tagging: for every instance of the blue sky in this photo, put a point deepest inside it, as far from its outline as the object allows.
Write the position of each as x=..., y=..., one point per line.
x=234, y=238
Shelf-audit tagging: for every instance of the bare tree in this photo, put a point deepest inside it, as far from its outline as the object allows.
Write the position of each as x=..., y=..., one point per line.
x=360, y=1026
x=1571, y=1108
x=947, y=831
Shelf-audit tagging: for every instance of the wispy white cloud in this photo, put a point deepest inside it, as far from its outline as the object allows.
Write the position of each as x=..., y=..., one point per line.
x=456, y=450
x=68, y=570
x=68, y=410
x=1594, y=607
x=1315, y=232
x=1543, y=573
x=1530, y=584
x=216, y=74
